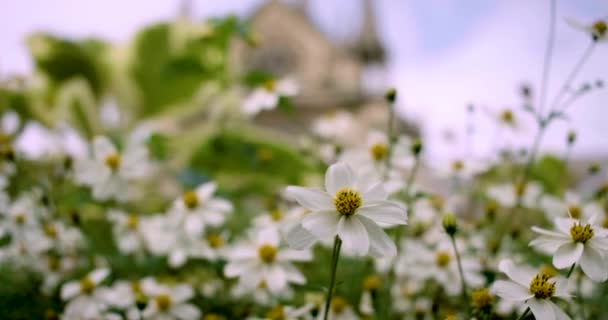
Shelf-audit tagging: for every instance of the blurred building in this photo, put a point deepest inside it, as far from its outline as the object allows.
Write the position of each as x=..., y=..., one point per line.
x=331, y=76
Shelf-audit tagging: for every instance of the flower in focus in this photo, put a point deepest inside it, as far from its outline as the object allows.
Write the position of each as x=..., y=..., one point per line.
x=577, y=242
x=262, y=261
x=350, y=208
x=109, y=171
x=535, y=290
x=267, y=96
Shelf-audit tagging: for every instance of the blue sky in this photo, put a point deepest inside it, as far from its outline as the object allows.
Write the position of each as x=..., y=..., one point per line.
x=444, y=54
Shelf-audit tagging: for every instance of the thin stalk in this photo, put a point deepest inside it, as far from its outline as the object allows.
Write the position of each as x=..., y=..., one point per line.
x=570, y=271
x=581, y=301
x=408, y=199
x=544, y=84
x=334, y=266
x=523, y=315
x=577, y=68
x=463, y=283
x=389, y=135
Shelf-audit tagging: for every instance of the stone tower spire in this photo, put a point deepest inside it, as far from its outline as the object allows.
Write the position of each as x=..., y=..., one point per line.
x=367, y=45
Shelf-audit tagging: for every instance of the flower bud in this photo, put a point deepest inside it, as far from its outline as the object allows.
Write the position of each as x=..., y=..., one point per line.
x=571, y=137
x=391, y=95
x=449, y=223
x=416, y=147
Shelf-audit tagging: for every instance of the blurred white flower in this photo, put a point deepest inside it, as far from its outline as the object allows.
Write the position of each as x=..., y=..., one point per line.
x=339, y=309
x=507, y=195
x=535, y=290
x=350, y=208
x=571, y=205
x=266, y=97
x=127, y=230
x=198, y=209
x=169, y=302
x=109, y=171
x=262, y=261
x=575, y=241
x=335, y=126
x=84, y=298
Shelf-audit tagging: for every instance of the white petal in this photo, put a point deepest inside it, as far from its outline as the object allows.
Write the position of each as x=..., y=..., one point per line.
x=185, y=312
x=102, y=148
x=541, y=309
x=323, y=224
x=511, y=291
x=236, y=268
x=177, y=258
x=293, y=274
x=548, y=244
x=299, y=238
x=70, y=290
x=559, y=313
x=375, y=193
x=384, y=212
x=205, y=191
x=276, y=279
x=268, y=236
x=294, y=255
x=380, y=245
x=354, y=236
x=567, y=255
x=194, y=224
x=600, y=244
x=594, y=265
x=549, y=233
x=521, y=275
x=182, y=293
x=98, y=275
x=564, y=224
x=311, y=199
x=339, y=176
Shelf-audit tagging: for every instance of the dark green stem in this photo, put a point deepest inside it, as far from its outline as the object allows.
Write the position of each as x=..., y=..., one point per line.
x=334, y=266
x=463, y=283
x=523, y=315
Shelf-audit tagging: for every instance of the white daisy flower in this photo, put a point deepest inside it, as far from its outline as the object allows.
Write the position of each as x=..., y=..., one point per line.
x=266, y=97
x=598, y=30
x=198, y=208
x=127, y=230
x=339, y=309
x=262, y=260
x=577, y=242
x=83, y=296
x=350, y=208
x=535, y=290
x=336, y=126
x=571, y=205
x=169, y=302
x=507, y=195
x=109, y=171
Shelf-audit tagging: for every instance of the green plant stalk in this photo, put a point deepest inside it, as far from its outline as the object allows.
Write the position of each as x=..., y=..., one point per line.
x=463, y=284
x=334, y=266
x=544, y=84
x=389, y=135
x=523, y=315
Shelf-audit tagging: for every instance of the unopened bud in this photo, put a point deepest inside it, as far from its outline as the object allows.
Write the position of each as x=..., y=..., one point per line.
x=416, y=147
x=571, y=137
x=449, y=223
x=391, y=95
x=594, y=168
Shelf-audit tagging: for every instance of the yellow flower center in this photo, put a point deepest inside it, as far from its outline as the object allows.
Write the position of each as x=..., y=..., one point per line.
x=481, y=298
x=20, y=219
x=371, y=283
x=215, y=241
x=379, y=151
x=163, y=302
x=549, y=271
x=443, y=259
x=520, y=189
x=190, y=199
x=507, y=116
x=211, y=316
x=347, y=201
x=541, y=288
x=457, y=165
x=50, y=231
x=277, y=313
x=338, y=304
x=437, y=202
x=269, y=85
x=581, y=233
x=267, y=253
x=599, y=28
x=132, y=222
x=276, y=215
x=491, y=208
x=262, y=285
x=113, y=161
x=86, y=285
x=575, y=212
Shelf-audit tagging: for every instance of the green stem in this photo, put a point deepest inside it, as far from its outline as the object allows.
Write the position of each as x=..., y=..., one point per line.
x=581, y=301
x=523, y=315
x=334, y=266
x=570, y=271
x=463, y=283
